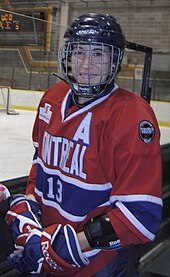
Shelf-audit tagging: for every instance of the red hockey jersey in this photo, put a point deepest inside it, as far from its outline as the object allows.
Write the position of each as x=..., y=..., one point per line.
x=101, y=158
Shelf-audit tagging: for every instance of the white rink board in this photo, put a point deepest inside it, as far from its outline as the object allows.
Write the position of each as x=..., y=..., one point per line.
x=29, y=100
x=26, y=99
x=162, y=111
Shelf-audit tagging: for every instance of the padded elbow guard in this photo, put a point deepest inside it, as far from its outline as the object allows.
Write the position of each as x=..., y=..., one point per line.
x=100, y=233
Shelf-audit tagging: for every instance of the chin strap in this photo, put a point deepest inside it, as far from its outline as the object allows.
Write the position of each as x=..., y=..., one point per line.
x=62, y=79
x=76, y=97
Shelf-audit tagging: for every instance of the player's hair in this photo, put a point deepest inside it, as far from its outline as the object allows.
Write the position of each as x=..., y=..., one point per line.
x=94, y=30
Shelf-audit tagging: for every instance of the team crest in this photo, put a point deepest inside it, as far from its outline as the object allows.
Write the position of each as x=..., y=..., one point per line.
x=45, y=113
x=146, y=131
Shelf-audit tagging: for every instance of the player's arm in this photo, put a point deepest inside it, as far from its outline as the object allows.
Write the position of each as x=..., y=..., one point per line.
x=30, y=187
x=83, y=240
x=32, y=174
x=31, y=196
x=135, y=199
x=99, y=233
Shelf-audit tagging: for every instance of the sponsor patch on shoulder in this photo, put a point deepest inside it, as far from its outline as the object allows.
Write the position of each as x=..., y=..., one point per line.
x=45, y=113
x=146, y=131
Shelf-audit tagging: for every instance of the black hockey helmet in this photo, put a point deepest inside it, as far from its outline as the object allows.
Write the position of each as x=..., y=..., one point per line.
x=95, y=27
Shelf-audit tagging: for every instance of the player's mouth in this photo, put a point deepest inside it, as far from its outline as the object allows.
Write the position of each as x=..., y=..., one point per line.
x=88, y=76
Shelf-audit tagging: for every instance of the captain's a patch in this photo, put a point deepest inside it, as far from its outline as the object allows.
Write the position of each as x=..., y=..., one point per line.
x=146, y=131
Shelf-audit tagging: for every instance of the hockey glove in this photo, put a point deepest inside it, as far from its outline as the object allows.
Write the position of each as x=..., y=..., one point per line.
x=65, y=244
x=54, y=249
x=23, y=216
x=28, y=256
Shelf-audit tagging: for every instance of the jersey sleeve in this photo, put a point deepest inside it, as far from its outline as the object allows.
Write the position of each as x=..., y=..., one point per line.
x=35, y=140
x=42, y=118
x=136, y=195
x=32, y=175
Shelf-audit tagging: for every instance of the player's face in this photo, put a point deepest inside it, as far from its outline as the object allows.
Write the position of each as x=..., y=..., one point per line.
x=91, y=63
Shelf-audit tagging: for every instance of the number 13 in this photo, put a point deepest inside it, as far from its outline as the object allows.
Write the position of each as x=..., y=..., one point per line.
x=50, y=194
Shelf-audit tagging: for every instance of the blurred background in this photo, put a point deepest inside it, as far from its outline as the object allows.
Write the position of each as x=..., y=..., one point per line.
x=31, y=32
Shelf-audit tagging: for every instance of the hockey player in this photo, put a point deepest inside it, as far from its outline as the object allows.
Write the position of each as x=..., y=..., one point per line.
x=94, y=189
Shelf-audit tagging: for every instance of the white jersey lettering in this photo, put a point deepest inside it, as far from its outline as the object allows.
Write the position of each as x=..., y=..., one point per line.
x=83, y=131
x=65, y=154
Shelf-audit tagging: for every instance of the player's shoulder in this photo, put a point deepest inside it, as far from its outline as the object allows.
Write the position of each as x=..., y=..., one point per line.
x=130, y=101
x=130, y=107
x=129, y=97
x=135, y=121
x=56, y=91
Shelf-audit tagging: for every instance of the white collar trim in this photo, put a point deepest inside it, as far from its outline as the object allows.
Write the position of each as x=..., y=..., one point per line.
x=90, y=105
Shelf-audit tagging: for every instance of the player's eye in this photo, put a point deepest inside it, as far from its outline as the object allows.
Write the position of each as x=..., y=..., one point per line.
x=97, y=54
x=80, y=53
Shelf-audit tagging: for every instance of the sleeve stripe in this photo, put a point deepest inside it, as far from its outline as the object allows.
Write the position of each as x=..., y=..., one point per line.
x=35, y=144
x=136, y=198
x=134, y=221
x=91, y=253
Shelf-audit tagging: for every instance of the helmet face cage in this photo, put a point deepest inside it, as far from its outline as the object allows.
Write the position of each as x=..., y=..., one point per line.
x=89, y=67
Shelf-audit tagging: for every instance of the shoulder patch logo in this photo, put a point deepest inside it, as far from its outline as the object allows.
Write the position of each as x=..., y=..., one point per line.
x=45, y=113
x=146, y=131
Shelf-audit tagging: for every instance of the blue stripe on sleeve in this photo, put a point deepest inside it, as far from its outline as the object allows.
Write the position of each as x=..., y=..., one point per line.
x=149, y=214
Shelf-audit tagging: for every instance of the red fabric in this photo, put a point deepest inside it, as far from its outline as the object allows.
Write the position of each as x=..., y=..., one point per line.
x=115, y=154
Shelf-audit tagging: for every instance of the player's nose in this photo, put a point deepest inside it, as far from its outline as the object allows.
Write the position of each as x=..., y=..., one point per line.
x=86, y=63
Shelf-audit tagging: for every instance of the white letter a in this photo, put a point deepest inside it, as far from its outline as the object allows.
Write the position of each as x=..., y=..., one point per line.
x=83, y=130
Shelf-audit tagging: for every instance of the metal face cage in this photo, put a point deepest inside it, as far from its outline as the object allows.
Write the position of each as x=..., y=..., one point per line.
x=89, y=67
